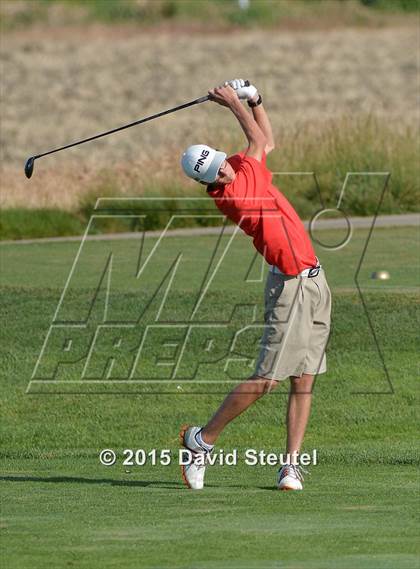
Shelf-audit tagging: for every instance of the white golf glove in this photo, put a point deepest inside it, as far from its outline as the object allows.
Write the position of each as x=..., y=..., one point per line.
x=243, y=91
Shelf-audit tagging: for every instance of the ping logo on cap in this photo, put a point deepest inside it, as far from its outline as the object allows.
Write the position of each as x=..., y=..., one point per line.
x=201, y=160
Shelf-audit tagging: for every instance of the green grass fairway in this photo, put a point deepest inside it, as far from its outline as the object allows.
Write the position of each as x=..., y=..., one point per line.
x=61, y=508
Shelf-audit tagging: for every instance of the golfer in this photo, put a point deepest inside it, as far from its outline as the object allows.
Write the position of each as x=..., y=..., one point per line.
x=297, y=296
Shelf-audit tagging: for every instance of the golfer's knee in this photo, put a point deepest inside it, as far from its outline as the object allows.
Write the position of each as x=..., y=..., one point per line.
x=301, y=384
x=262, y=385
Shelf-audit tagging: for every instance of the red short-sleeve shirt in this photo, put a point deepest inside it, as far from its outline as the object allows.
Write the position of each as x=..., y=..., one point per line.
x=264, y=213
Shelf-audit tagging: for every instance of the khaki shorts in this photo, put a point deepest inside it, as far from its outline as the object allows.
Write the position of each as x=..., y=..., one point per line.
x=297, y=325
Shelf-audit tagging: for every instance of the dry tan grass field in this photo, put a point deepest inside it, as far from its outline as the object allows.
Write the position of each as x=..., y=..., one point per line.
x=73, y=83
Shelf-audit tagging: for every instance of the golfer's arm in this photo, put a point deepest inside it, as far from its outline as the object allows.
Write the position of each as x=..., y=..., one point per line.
x=256, y=137
x=262, y=120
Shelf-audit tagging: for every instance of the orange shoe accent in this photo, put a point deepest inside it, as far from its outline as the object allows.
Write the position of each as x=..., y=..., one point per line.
x=182, y=432
x=184, y=478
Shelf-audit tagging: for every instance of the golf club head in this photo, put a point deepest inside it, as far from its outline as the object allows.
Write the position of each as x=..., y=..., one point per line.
x=29, y=166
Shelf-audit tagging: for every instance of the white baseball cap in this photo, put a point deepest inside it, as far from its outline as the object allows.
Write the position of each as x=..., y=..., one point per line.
x=202, y=163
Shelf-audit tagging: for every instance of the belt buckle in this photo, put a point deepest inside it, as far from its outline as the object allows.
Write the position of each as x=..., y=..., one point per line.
x=314, y=272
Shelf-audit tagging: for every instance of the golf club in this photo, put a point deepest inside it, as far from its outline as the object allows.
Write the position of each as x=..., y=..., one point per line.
x=29, y=165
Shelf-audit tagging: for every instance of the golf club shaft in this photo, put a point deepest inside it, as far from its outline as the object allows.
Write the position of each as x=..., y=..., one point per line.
x=29, y=165
x=140, y=121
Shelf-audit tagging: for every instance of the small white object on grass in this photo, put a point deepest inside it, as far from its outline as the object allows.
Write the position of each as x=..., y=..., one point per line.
x=381, y=275
x=178, y=387
x=243, y=4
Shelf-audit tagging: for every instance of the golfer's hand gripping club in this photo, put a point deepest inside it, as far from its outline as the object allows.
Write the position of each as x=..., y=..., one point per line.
x=29, y=165
x=243, y=88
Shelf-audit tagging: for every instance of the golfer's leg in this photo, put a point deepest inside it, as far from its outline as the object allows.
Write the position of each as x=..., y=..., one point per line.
x=235, y=403
x=299, y=408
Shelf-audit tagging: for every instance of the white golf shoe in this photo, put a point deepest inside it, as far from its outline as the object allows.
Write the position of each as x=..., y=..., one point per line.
x=193, y=473
x=290, y=478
